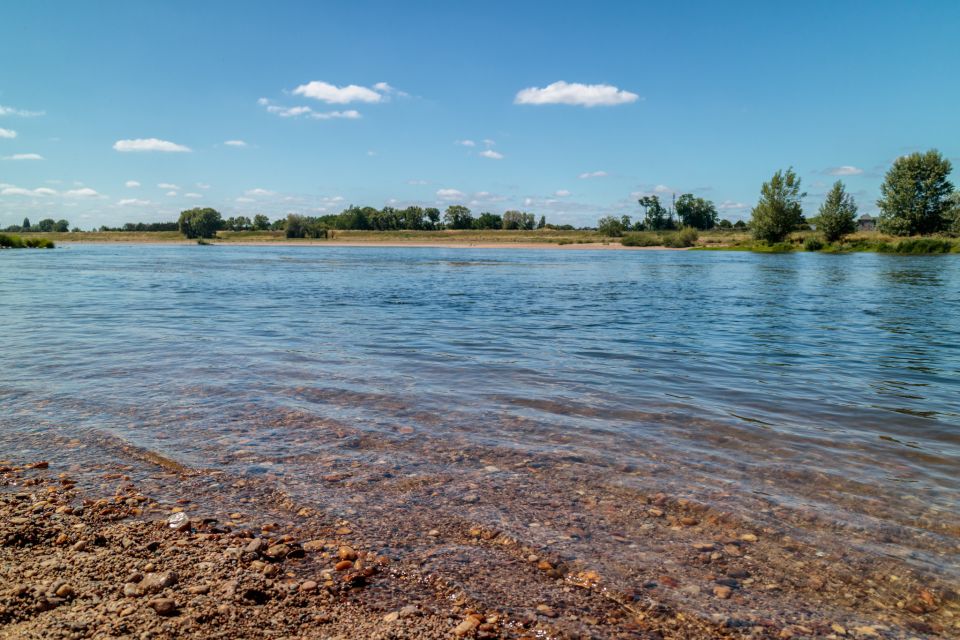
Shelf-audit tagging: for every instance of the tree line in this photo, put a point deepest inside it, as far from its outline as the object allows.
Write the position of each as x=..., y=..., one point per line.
x=46, y=225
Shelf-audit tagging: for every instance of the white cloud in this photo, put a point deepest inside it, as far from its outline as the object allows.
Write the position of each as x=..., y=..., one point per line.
x=295, y=112
x=10, y=190
x=493, y=155
x=263, y=102
x=85, y=192
x=235, y=143
x=133, y=202
x=489, y=142
x=845, y=170
x=332, y=94
x=7, y=133
x=149, y=144
x=192, y=195
x=585, y=95
x=561, y=193
x=201, y=185
x=465, y=143
x=260, y=192
x=24, y=156
x=45, y=191
x=350, y=114
x=245, y=200
x=593, y=174
x=167, y=185
x=450, y=194
x=131, y=184
x=171, y=194
x=23, y=113
x=730, y=204
x=662, y=188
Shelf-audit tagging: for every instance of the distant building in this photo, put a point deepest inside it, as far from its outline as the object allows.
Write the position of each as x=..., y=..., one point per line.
x=866, y=222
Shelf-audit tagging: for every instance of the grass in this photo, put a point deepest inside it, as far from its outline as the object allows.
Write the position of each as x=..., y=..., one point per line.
x=17, y=242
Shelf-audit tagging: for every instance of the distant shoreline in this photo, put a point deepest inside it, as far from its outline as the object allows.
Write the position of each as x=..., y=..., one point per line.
x=591, y=246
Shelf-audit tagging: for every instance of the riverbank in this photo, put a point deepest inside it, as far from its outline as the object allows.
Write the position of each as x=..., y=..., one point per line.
x=75, y=563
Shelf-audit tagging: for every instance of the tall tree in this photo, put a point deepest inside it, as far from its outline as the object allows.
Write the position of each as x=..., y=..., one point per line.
x=26, y=224
x=779, y=210
x=200, y=223
x=458, y=217
x=656, y=217
x=696, y=212
x=915, y=195
x=837, y=215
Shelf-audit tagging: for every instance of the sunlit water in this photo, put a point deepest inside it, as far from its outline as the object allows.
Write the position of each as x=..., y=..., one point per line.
x=823, y=383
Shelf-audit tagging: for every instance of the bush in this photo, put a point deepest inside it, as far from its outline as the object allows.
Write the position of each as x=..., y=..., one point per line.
x=919, y=246
x=16, y=242
x=812, y=244
x=640, y=240
x=686, y=237
x=610, y=226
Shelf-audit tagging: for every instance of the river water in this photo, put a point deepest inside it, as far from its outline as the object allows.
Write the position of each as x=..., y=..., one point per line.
x=823, y=386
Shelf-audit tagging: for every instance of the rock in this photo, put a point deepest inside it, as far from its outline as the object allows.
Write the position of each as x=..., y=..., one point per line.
x=393, y=616
x=256, y=545
x=433, y=533
x=309, y=586
x=163, y=606
x=346, y=553
x=81, y=545
x=199, y=590
x=314, y=545
x=467, y=626
x=65, y=591
x=748, y=537
x=838, y=629
x=409, y=611
x=704, y=546
x=732, y=550
x=277, y=552
x=157, y=582
x=131, y=590
x=689, y=521
x=869, y=632
x=544, y=610
x=179, y=521
x=343, y=565
x=722, y=591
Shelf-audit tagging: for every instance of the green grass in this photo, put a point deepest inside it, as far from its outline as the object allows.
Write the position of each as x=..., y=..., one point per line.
x=18, y=242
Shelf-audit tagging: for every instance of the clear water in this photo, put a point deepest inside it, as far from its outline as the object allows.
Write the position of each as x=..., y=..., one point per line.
x=824, y=384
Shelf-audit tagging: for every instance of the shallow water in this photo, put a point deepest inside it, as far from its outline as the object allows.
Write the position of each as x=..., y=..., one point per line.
x=823, y=384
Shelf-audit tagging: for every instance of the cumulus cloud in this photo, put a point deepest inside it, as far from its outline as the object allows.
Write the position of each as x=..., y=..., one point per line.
x=171, y=194
x=465, y=143
x=131, y=184
x=259, y=192
x=192, y=195
x=388, y=90
x=242, y=200
x=493, y=155
x=575, y=93
x=10, y=190
x=7, y=133
x=23, y=113
x=730, y=204
x=24, y=156
x=561, y=193
x=149, y=144
x=85, y=192
x=845, y=170
x=662, y=188
x=167, y=185
x=450, y=194
x=296, y=112
x=332, y=94
x=235, y=143
x=592, y=174
x=133, y=202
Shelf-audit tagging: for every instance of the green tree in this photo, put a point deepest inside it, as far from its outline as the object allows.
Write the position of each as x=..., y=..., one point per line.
x=26, y=224
x=433, y=216
x=779, y=210
x=261, y=222
x=457, y=217
x=954, y=214
x=200, y=223
x=725, y=224
x=655, y=216
x=46, y=225
x=610, y=226
x=514, y=219
x=412, y=218
x=489, y=221
x=837, y=216
x=915, y=195
x=61, y=226
x=542, y=223
x=696, y=212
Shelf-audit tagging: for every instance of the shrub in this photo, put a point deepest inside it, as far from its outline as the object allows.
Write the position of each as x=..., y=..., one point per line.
x=16, y=242
x=686, y=237
x=919, y=246
x=812, y=244
x=640, y=240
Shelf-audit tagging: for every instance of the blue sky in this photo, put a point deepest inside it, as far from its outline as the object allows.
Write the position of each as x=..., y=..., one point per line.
x=122, y=111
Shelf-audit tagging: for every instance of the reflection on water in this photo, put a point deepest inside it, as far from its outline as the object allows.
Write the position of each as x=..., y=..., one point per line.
x=829, y=383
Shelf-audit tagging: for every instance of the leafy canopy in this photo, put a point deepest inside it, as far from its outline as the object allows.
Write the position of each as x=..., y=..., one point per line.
x=915, y=195
x=779, y=210
x=837, y=216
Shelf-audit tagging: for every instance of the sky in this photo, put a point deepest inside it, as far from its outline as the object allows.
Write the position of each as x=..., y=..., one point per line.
x=114, y=112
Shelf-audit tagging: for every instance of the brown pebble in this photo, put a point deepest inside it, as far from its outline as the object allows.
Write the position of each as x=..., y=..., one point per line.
x=722, y=592
x=163, y=606
x=346, y=553
x=65, y=591
x=393, y=616
x=343, y=565
x=689, y=521
x=467, y=626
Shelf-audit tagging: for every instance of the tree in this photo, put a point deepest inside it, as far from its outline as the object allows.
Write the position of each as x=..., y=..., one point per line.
x=725, y=224
x=200, y=223
x=696, y=212
x=412, y=218
x=26, y=224
x=779, y=210
x=46, y=225
x=543, y=222
x=433, y=216
x=953, y=216
x=610, y=226
x=261, y=222
x=518, y=220
x=837, y=216
x=655, y=217
x=915, y=195
x=61, y=226
x=489, y=221
x=457, y=217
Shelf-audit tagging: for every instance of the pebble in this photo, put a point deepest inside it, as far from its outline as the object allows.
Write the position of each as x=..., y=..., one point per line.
x=409, y=611
x=346, y=553
x=467, y=626
x=722, y=591
x=277, y=552
x=163, y=606
x=393, y=616
x=433, y=533
x=309, y=586
x=343, y=565
x=748, y=537
x=545, y=610
x=65, y=591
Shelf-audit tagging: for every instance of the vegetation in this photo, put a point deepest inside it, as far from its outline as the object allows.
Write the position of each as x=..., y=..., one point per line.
x=696, y=213
x=837, y=216
x=200, y=223
x=779, y=210
x=655, y=216
x=813, y=243
x=916, y=195
x=305, y=227
x=17, y=242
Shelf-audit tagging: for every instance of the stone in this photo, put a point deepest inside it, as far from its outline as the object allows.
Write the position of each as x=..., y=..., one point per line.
x=314, y=545
x=309, y=586
x=748, y=537
x=467, y=626
x=163, y=606
x=277, y=552
x=343, y=565
x=131, y=590
x=722, y=591
x=409, y=611
x=157, y=582
x=545, y=610
x=65, y=591
x=393, y=616
x=346, y=553
x=256, y=545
